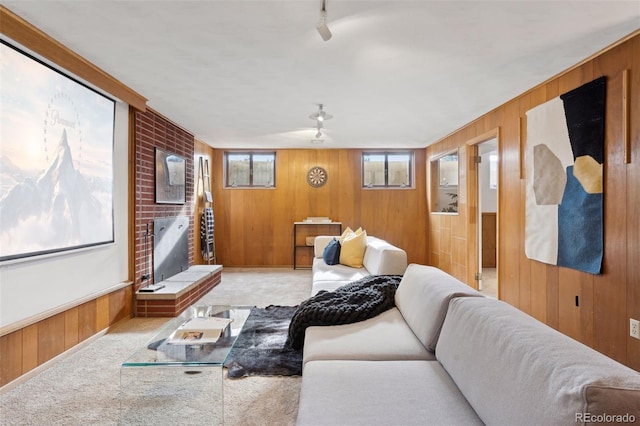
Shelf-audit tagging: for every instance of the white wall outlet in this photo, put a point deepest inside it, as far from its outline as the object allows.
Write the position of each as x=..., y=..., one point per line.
x=634, y=328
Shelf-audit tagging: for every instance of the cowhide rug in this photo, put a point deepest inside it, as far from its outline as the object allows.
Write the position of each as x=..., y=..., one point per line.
x=260, y=349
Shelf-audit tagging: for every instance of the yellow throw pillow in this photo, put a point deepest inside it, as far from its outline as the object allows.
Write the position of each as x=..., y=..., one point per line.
x=352, y=249
x=345, y=234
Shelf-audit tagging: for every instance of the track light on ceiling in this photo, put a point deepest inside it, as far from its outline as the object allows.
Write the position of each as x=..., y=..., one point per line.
x=321, y=115
x=319, y=127
x=322, y=27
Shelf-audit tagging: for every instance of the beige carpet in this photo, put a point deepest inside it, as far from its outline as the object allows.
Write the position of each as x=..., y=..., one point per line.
x=84, y=388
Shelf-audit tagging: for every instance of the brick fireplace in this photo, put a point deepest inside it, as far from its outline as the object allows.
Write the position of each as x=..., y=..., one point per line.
x=154, y=131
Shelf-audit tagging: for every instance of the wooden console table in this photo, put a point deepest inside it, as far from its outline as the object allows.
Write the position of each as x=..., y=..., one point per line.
x=303, y=252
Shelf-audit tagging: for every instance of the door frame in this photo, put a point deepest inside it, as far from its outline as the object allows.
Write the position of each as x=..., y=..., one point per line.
x=473, y=213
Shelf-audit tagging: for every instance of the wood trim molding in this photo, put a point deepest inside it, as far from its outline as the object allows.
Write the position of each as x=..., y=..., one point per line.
x=37, y=41
x=522, y=127
x=473, y=242
x=51, y=312
x=132, y=194
x=493, y=133
x=626, y=134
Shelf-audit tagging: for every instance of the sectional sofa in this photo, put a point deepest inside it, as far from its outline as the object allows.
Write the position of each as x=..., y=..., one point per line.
x=447, y=355
x=380, y=258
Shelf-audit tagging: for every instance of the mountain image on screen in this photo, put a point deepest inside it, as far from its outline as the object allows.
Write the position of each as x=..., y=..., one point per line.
x=59, y=209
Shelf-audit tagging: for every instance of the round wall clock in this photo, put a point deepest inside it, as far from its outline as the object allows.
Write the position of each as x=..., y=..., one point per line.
x=317, y=176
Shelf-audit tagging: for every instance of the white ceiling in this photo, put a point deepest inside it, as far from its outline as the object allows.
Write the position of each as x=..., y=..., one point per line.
x=396, y=74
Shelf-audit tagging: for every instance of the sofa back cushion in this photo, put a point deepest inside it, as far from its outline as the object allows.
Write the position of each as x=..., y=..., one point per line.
x=320, y=243
x=382, y=258
x=423, y=299
x=535, y=374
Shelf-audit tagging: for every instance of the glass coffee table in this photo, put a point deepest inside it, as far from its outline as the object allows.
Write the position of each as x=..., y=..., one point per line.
x=168, y=383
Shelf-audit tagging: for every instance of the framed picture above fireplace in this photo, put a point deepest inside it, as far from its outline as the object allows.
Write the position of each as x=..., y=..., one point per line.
x=170, y=178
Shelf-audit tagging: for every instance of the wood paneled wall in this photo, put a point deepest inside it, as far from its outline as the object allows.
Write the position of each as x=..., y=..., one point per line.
x=254, y=227
x=27, y=348
x=607, y=301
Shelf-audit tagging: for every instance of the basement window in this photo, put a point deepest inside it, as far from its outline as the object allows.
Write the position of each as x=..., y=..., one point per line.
x=393, y=169
x=250, y=169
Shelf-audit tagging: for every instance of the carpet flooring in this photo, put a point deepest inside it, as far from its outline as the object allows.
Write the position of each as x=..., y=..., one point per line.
x=84, y=387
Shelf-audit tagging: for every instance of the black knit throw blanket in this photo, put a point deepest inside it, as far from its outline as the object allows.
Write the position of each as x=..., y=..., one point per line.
x=353, y=302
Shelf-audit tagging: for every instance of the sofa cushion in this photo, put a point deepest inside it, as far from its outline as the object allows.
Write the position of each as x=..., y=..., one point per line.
x=336, y=273
x=320, y=243
x=382, y=258
x=384, y=337
x=423, y=299
x=544, y=377
x=331, y=254
x=380, y=393
x=319, y=286
x=352, y=249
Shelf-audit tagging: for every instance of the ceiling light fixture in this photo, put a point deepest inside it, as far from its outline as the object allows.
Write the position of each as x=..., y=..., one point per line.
x=320, y=115
x=322, y=24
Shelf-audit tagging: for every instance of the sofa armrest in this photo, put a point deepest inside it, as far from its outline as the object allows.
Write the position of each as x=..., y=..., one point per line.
x=320, y=243
x=382, y=258
x=532, y=365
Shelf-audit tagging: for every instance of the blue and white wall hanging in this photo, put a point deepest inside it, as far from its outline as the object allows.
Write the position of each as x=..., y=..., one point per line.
x=564, y=157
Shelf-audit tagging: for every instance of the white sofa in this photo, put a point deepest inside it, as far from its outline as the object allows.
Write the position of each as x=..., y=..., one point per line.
x=447, y=355
x=380, y=258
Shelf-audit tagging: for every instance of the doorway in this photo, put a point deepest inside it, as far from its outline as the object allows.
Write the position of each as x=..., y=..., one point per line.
x=487, y=239
x=483, y=159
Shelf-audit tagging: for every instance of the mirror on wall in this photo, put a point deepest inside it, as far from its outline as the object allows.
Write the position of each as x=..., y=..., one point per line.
x=445, y=172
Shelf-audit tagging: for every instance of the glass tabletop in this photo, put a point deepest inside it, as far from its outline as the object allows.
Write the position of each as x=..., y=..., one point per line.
x=161, y=351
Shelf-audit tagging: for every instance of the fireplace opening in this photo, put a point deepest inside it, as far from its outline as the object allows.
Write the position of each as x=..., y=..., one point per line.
x=170, y=247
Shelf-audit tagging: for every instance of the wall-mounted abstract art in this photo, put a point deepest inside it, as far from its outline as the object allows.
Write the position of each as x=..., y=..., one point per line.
x=56, y=160
x=564, y=157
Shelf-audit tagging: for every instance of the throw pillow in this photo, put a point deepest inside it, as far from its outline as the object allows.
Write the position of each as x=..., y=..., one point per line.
x=345, y=234
x=331, y=253
x=352, y=249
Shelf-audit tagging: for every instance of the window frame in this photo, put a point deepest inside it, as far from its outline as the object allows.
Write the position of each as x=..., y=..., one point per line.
x=386, y=154
x=251, y=154
x=446, y=208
